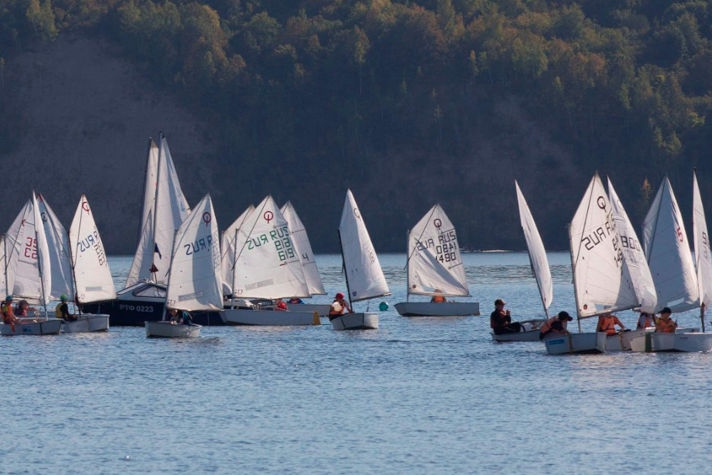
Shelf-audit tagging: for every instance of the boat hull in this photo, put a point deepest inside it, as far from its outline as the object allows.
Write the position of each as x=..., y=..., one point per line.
x=50, y=326
x=128, y=312
x=242, y=316
x=576, y=343
x=687, y=342
x=622, y=341
x=433, y=309
x=87, y=322
x=321, y=308
x=166, y=329
x=530, y=333
x=355, y=321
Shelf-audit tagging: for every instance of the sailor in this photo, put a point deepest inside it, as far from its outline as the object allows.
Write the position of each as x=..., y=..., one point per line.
x=339, y=306
x=555, y=325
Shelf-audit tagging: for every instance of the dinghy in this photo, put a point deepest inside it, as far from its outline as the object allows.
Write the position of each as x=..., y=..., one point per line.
x=264, y=264
x=539, y=263
x=194, y=281
x=28, y=270
x=602, y=283
x=362, y=269
x=435, y=269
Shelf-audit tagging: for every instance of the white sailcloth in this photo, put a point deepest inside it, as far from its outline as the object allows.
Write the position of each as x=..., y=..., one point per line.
x=537, y=252
x=194, y=282
x=304, y=249
x=165, y=208
x=434, y=262
x=28, y=256
x=601, y=279
x=267, y=264
x=703, y=256
x=228, y=247
x=92, y=274
x=633, y=254
x=668, y=252
x=58, y=247
x=4, y=289
x=364, y=276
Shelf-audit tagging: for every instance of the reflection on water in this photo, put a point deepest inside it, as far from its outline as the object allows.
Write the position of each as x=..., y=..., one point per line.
x=419, y=395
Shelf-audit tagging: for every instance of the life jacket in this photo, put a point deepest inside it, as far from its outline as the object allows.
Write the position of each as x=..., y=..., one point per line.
x=666, y=326
x=438, y=299
x=546, y=327
x=645, y=320
x=58, y=311
x=607, y=324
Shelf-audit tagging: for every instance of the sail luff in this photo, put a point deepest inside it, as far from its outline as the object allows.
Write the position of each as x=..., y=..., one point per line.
x=703, y=256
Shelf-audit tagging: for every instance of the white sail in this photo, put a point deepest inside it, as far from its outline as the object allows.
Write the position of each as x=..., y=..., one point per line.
x=28, y=256
x=668, y=252
x=703, y=256
x=194, y=282
x=267, y=264
x=58, y=249
x=92, y=274
x=601, y=279
x=537, y=252
x=304, y=249
x=434, y=261
x=633, y=254
x=4, y=288
x=364, y=276
x=228, y=247
x=168, y=208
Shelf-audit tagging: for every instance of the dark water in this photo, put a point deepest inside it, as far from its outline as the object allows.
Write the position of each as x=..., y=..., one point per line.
x=418, y=395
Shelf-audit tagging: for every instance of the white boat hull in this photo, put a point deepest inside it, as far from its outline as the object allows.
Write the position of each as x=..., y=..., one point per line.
x=87, y=322
x=530, y=333
x=688, y=342
x=321, y=308
x=355, y=321
x=166, y=329
x=241, y=316
x=50, y=326
x=576, y=343
x=433, y=309
x=622, y=341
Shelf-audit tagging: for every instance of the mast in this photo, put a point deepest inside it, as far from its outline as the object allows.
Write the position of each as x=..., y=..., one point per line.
x=346, y=272
x=154, y=269
x=573, y=279
x=40, y=256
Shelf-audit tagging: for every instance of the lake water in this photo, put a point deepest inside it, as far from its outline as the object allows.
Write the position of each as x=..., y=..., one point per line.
x=418, y=395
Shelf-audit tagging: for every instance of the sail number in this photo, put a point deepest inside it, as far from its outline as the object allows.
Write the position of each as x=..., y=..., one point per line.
x=279, y=237
x=30, y=250
x=445, y=248
x=198, y=245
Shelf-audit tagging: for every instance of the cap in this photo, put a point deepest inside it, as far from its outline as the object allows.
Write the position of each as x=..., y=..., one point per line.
x=564, y=316
x=339, y=295
x=9, y=297
x=666, y=310
x=500, y=302
x=63, y=297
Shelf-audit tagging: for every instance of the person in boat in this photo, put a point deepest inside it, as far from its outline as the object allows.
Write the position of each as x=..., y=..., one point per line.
x=438, y=297
x=179, y=317
x=607, y=323
x=62, y=310
x=645, y=320
x=295, y=300
x=280, y=305
x=8, y=314
x=665, y=324
x=339, y=306
x=24, y=309
x=501, y=320
x=555, y=326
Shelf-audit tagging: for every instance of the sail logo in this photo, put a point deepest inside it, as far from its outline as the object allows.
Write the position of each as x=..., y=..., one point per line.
x=198, y=245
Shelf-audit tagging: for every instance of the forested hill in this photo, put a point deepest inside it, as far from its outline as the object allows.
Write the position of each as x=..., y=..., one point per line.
x=407, y=103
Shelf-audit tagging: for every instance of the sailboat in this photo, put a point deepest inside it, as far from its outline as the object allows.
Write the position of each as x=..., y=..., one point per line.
x=539, y=263
x=364, y=276
x=28, y=270
x=435, y=268
x=62, y=271
x=300, y=239
x=670, y=259
x=601, y=279
x=194, y=282
x=90, y=270
x=164, y=209
x=637, y=268
x=265, y=265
